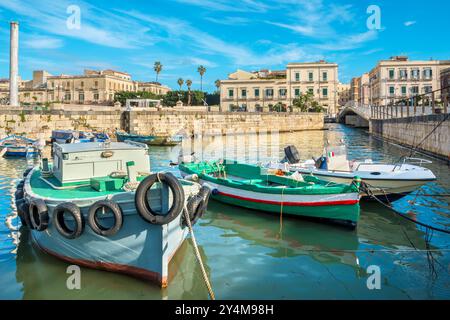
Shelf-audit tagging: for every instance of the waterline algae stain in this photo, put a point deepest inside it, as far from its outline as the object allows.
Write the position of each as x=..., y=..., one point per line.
x=248, y=255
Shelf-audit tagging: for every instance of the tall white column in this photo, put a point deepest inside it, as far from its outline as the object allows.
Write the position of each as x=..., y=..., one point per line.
x=14, y=65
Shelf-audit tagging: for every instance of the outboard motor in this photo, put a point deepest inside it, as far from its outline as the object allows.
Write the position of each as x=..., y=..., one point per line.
x=291, y=155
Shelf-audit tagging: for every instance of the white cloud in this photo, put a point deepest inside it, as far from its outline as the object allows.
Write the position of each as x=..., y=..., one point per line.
x=228, y=5
x=349, y=42
x=409, y=23
x=229, y=21
x=42, y=42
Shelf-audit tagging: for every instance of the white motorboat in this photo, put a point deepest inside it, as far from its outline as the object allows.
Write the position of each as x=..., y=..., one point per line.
x=388, y=180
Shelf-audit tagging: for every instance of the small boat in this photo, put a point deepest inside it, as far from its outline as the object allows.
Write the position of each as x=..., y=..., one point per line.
x=99, y=206
x=150, y=140
x=18, y=146
x=73, y=136
x=391, y=181
x=275, y=191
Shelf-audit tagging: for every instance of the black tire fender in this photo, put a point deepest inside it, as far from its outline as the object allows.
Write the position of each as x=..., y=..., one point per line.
x=19, y=194
x=27, y=172
x=143, y=207
x=60, y=224
x=292, y=154
x=22, y=212
x=95, y=223
x=38, y=214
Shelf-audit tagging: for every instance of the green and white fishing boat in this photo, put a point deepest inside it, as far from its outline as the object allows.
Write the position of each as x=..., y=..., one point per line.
x=98, y=205
x=276, y=191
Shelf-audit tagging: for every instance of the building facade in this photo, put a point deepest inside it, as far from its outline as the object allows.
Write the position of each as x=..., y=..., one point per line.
x=153, y=87
x=398, y=78
x=344, y=95
x=445, y=84
x=263, y=90
x=360, y=90
x=92, y=87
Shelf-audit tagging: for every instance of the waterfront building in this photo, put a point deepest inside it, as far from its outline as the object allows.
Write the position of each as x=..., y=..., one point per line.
x=397, y=78
x=92, y=87
x=343, y=94
x=360, y=90
x=445, y=83
x=264, y=90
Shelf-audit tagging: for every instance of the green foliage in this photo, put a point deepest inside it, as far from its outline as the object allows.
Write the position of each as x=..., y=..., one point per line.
x=122, y=96
x=172, y=97
x=22, y=116
x=157, y=68
x=213, y=99
x=307, y=103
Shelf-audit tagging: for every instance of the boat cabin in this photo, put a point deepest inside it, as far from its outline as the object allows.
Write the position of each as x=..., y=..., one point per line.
x=81, y=162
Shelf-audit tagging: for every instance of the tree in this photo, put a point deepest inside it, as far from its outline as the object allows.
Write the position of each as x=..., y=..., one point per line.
x=158, y=68
x=307, y=103
x=172, y=97
x=201, y=70
x=217, y=83
x=189, y=85
x=180, y=83
x=122, y=96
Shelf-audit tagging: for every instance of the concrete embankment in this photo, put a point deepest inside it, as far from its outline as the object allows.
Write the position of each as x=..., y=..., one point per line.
x=413, y=130
x=39, y=124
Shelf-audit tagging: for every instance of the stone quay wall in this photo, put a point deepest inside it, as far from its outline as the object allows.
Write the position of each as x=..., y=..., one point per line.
x=39, y=124
x=413, y=130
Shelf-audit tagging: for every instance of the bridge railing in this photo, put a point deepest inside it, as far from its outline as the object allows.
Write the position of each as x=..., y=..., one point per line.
x=423, y=104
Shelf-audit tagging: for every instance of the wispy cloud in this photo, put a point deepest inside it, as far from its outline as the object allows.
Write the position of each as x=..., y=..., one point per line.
x=42, y=42
x=228, y=5
x=409, y=23
x=349, y=42
x=229, y=21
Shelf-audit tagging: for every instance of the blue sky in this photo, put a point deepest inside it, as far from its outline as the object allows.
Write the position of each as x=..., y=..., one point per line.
x=222, y=35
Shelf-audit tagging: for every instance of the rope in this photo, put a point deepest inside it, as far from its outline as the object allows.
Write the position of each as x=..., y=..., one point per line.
x=366, y=188
x=281, y=213
x=197, y=254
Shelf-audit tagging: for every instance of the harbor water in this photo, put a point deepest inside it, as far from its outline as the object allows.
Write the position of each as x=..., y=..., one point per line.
x=253, y=255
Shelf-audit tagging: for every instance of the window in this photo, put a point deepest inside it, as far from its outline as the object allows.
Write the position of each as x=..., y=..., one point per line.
x=403, y=74
x=269, y=93
x=325, y=76
x=415, y=74
x=415, y=90
x=311, y=76
x=82, y=84
x=231, y=93
x=297, y=92
x=404, y=91
x=67, y=97
x=427, y=89
x=81, y=96
x=297, y=76
x=96, y=84
x=311, y=90
x=391, y=91
x=427, y=73
x=96, y=96
x=257, y=93
x=244, y=93
x=391, y=74
x=283, y=92
x=325, y=92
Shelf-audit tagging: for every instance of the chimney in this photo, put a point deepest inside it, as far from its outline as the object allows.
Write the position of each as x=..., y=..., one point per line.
x=14, y=65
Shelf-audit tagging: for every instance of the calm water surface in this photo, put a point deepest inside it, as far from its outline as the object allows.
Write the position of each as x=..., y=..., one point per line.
x=249, y=255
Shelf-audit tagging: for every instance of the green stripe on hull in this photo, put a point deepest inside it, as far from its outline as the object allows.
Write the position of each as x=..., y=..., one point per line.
x=336, y=212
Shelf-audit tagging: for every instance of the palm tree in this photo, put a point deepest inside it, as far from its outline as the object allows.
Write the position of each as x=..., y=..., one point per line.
x=180, y=83
x=217, y=83
x=158, y=68
x=189, y=84
x=201, y=70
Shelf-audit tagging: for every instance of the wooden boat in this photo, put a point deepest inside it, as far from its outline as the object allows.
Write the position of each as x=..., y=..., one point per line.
x=391, y=181
x=257, y=188
x=73, y=136
x=18, y=146
x=99, y=206
x=150, y=140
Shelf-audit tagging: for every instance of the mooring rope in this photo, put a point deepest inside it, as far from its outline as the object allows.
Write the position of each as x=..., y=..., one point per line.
x=367, y=189
x=197, y=254
x=281, y=213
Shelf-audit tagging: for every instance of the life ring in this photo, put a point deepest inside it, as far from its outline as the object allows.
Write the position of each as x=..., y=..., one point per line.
x=94, y=222
x=143, y=207
x=38, y=213
x=60, y=224
x=23, y=213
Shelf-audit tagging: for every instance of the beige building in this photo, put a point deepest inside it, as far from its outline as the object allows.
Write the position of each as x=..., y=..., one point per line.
x=92, y=87
x=398, y=78
x=360, y=90
x=153, y=87
x=344, y=95
x=264, y=89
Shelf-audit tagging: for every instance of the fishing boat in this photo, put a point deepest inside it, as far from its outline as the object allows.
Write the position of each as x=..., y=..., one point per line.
x=275, y=191
x=73, y=136
x=98, y=205
x=390, y=181
x=151, y=140
x=18, y=146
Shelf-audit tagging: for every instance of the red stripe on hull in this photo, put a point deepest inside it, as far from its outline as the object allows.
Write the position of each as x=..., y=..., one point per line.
x=294, y=204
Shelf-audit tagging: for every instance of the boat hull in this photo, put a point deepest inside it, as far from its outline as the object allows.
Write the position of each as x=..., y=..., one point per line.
x=139, y=249
x=21, y=152
x=335, y=207
x=135, y=138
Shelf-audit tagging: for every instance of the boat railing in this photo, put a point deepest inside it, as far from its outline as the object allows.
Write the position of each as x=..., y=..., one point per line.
x=137, y=144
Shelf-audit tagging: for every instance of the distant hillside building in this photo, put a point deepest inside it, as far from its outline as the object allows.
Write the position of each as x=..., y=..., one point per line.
x=263, y=89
